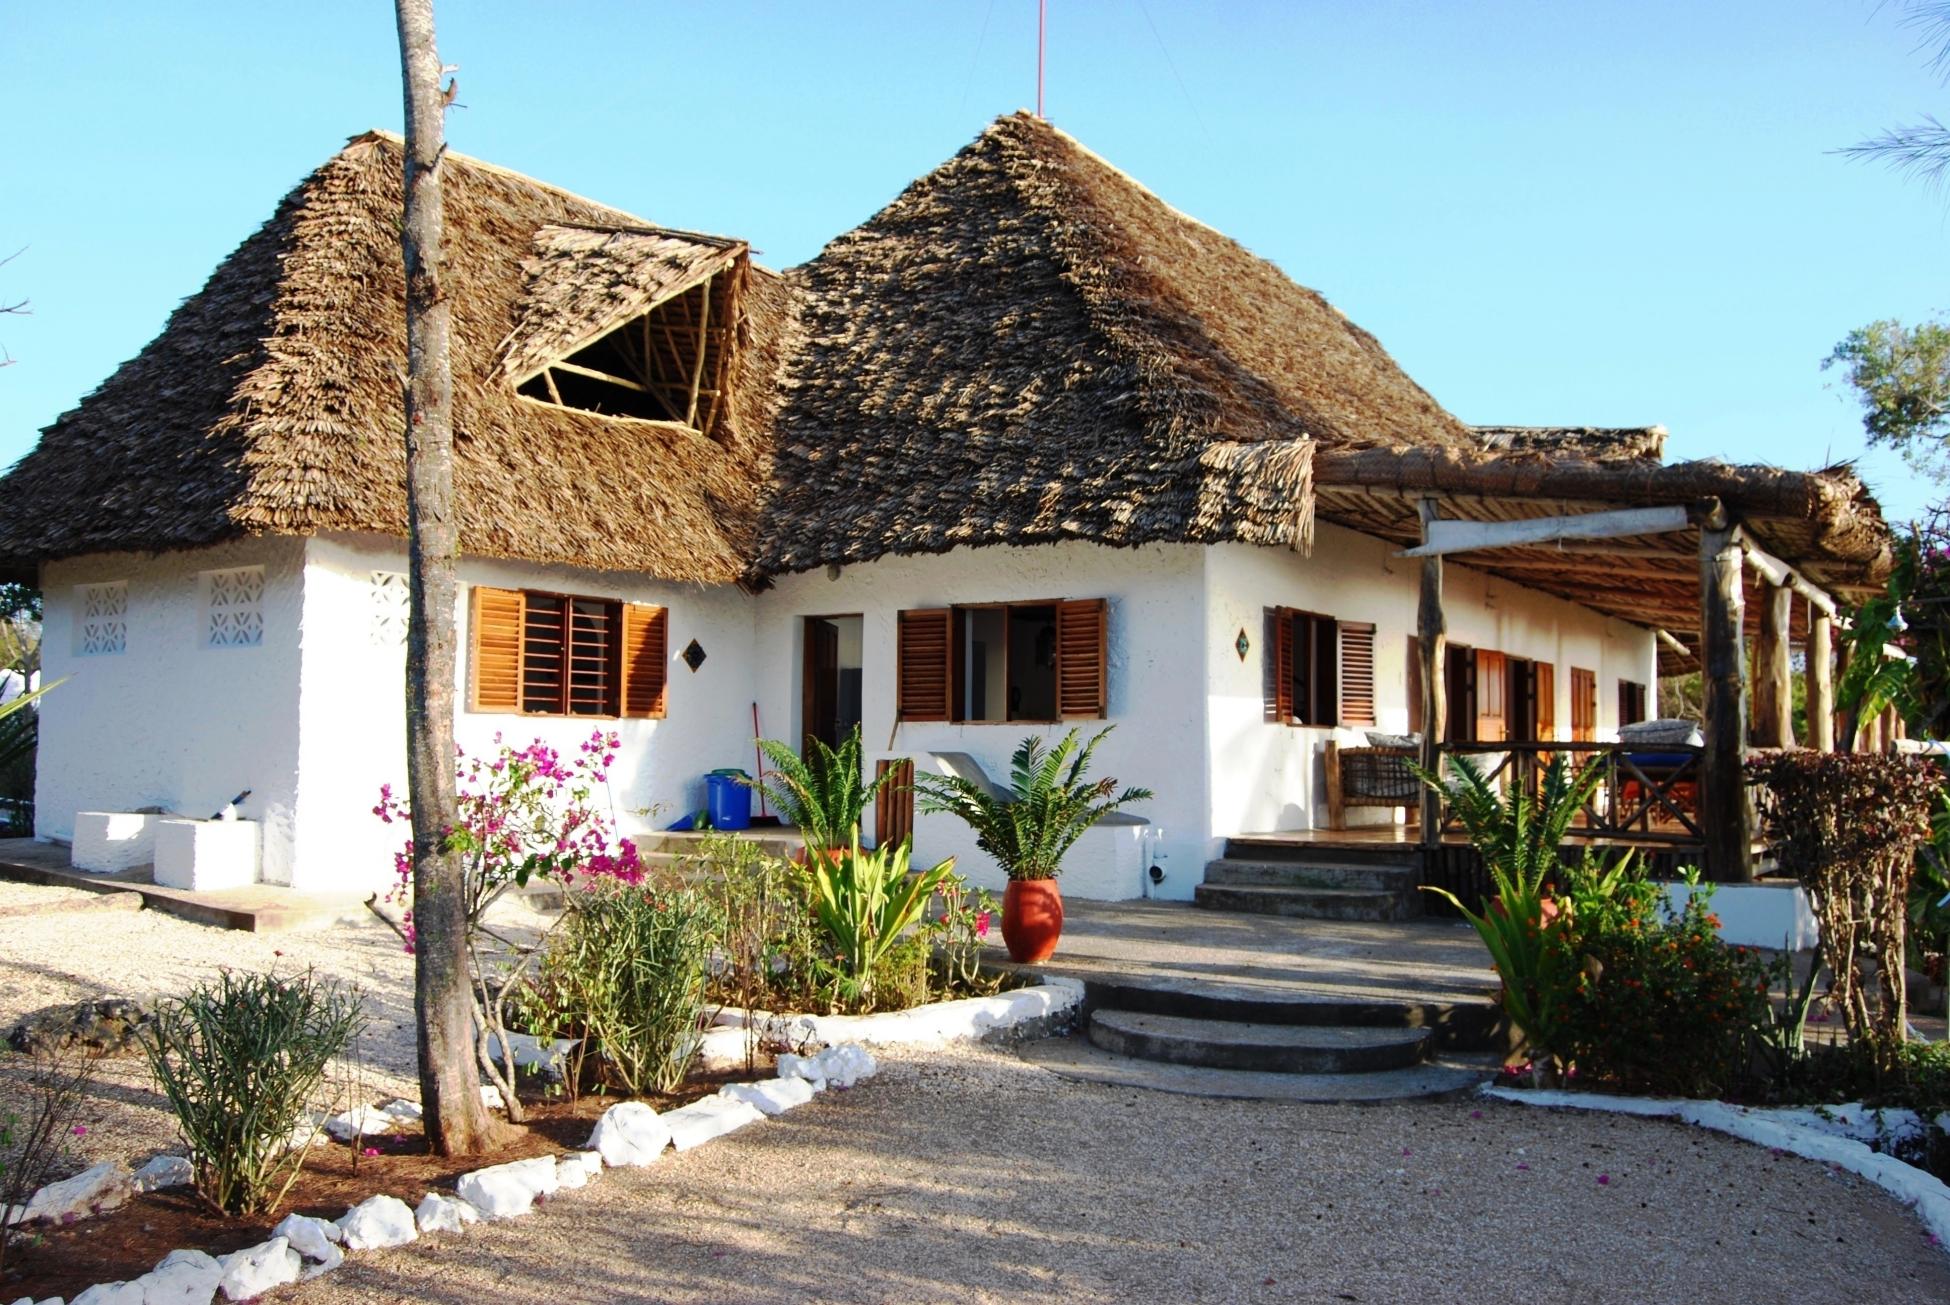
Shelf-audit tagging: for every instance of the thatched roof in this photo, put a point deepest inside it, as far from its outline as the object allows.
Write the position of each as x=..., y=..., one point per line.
x=1028, y=346
x=1593, y=443
x=271, y=402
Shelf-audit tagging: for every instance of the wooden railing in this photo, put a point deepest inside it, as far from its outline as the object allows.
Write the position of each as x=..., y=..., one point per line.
x=1646, y=793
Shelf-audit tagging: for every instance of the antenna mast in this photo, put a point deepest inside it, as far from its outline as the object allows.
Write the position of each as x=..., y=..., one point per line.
x=1042, y=28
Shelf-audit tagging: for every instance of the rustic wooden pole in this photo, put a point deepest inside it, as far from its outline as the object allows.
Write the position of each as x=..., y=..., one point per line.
x=1821, y=680
x=1726, y=816
x=1773, y=723
x=450, y=1082
x=1432, y=635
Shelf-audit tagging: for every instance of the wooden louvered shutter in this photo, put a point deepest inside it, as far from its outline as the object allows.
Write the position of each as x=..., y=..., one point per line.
x=893, y=806
x=1082, y=659
x=1357, y=673
x=1546, y=701
x=1280, y=656
x=494, y=656
x=646, y=659
x=1491, y=685
x=1584, y=705
x=924, y=665
x=1414, y=685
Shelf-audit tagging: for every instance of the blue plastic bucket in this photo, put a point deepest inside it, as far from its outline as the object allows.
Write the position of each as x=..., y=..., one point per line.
x=728, y=799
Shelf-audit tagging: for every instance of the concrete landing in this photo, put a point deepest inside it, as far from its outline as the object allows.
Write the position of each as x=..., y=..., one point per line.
x=260, y=908
x=1074, y=1058
x=1271, y=1048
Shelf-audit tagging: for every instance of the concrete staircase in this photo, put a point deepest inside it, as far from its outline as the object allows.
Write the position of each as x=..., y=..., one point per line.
x=1315, y=881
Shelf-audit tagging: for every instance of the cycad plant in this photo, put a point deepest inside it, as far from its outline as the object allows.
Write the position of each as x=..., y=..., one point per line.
x=1518, y=835
x=822, y=793
x=1048, y=807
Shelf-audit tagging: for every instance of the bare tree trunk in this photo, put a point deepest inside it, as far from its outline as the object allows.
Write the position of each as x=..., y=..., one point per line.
x=456, y=1121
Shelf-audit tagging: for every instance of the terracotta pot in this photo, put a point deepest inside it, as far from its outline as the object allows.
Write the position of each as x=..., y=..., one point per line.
x=1032, y=919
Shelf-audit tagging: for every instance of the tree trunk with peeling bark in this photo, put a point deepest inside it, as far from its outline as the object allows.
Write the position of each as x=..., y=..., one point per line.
x=457, y=1123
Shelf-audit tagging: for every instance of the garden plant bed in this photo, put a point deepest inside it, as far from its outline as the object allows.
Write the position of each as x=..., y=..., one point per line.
x=127, y=1242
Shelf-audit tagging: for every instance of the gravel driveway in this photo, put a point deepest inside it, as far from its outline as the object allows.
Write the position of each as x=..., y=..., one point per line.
x=977, y=1177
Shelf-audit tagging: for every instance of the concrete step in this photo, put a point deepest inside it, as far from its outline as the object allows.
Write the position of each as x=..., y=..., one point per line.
x=1404, y=856
x=1079, y=1061
x=1311, y=874
x=1263, y=1048
x=1308, y=903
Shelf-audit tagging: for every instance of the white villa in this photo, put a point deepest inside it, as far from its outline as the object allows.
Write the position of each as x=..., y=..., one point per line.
x=1028, y=448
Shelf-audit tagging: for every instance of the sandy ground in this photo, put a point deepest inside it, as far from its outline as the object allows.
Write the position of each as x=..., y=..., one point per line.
x=977, y=1177
x=61, y=955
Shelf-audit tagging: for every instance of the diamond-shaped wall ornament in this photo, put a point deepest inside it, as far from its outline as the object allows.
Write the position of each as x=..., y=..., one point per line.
x=1242, y=644
x=693, y=654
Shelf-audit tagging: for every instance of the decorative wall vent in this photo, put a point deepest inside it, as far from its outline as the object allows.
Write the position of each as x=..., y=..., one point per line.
x=234, y=617
x=391, y=607
x=102, y=617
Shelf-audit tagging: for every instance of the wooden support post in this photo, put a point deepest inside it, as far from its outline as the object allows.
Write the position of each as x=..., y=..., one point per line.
x=697, y=364
x=1773, y=723
x=1432, y=634
x=1726, y=816
x=1821, y=681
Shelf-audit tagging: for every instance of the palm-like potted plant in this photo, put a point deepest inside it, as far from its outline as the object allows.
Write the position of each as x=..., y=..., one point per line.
x=823, y=793
x=1047, y=807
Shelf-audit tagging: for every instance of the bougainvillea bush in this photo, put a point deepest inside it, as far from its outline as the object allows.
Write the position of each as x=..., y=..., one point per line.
x=1848, y=825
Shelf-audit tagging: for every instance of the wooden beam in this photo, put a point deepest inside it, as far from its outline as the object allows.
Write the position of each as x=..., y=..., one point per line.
x=577, y=369
x=548, y=374
x=1821, y=682
x=1469, y=536
x=1671, y=641
x=1432, y=636
x=1776, y=572
x=697, y=364
x=1726, y=816
x=1773, y=722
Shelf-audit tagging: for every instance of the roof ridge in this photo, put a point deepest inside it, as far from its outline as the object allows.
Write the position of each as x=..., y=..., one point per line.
x=499, y=169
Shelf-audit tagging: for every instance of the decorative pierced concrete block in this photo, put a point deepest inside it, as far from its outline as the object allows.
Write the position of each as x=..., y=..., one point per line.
x=202, y=855
x=108, y=842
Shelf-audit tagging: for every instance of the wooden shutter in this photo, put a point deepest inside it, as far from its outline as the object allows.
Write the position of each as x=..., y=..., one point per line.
x=1357, y=673
x=494, y=656
x=924, y=665
x=1491, y=686
x=1546, y=701
x=1414, y=685
x=1584, y=705
x=893, y=807
x=646, y=660
x=1279, y=656
x=1082, y=659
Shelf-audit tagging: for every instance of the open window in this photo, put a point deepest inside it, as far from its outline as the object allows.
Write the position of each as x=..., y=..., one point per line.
x=545, y=654
x=1631, y=702
x=1004, y=662
x=629, y=323
x=1305, y=662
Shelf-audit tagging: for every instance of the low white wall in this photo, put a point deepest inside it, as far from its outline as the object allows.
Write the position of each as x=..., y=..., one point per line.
x=1156, y=687
x=169, y=720
x=352, y=703
x=1269, y=776
x=1774, y=916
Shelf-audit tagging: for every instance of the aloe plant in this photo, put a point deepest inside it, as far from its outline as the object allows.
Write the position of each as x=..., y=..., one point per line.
x=865, y=901
x=1048, y=807
x=822, y=793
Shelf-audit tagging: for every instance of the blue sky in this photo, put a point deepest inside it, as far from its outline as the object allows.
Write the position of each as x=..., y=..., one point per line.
x=1604, y=213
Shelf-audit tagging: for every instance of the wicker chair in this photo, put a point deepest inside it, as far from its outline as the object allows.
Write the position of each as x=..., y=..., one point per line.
x=1370, y=777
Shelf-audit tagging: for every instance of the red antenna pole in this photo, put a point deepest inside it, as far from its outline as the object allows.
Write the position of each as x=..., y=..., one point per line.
x=1042, y=28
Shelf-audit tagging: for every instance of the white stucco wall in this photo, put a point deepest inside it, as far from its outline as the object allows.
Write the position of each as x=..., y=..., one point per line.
x=170, y=721
x=1269, y=776
x=352, y=712
x=1156, y=701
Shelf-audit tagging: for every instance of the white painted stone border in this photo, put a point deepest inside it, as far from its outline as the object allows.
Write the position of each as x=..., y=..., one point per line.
x=939, y=1024
x=1786, y=1129
x=257, y=1268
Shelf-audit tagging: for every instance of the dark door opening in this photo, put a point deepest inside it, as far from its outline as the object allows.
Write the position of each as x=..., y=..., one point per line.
x=1459, y=687
x=1522, y=699
x=830, y=678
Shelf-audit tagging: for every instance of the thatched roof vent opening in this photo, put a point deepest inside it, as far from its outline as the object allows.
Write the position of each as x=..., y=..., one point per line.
x=629, y=322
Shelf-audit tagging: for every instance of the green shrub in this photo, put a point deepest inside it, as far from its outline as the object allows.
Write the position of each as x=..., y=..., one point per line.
x=865, y=901
x=769, y=946
x=239, y=1059
x=1659, y=1004
x=626, y=972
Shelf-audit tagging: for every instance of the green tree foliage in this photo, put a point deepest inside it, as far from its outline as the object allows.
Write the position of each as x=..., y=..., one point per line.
x=1901, y=374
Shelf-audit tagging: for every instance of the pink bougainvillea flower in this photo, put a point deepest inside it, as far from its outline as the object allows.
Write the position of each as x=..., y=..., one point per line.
x=79, y=1130
x=981, y=924
x=1475, y=1114
x=1522, y=1165
x=1604, y=1180
x=371, y=1150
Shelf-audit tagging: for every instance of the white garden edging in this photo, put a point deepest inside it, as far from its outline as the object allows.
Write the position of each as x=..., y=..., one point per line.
x=1831, y=1137
x=940, y=1024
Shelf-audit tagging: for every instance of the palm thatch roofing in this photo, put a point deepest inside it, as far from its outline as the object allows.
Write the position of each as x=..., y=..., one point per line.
x=270, y=403
x=1025, y=346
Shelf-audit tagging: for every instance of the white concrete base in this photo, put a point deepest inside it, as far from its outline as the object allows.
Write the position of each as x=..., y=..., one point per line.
x=204, y=855
x=1758, y=915
x=109, y=842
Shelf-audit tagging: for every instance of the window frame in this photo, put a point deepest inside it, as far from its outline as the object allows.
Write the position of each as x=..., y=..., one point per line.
x=621, y=617
x=1296, y=662
x=958, y=655
x=930, y=662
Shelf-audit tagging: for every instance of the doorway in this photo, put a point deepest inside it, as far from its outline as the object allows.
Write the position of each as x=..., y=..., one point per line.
x=830, y=678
